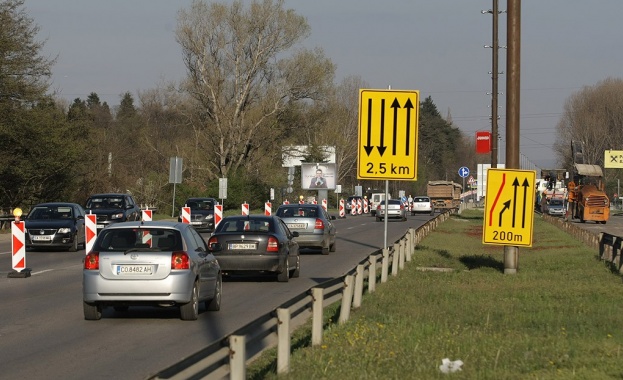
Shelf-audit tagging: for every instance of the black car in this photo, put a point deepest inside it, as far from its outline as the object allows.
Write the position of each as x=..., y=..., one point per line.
x=55, y=225
x=113, y=208
x=201, y=213
x=256, y=244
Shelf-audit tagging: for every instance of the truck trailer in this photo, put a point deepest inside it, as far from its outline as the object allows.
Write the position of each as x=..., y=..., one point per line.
x=444, y=195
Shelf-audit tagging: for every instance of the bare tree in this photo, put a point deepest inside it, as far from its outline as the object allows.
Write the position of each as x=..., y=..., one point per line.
x=241, y=77
x=593, y=116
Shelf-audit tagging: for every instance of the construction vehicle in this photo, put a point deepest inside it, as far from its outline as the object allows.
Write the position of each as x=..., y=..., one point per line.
x=444, y=195
x=586, y=199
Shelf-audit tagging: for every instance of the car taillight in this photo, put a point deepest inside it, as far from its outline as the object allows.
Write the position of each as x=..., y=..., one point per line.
x=273, y=244
x=319, y=224
x=180, y=260
x=212, y=240
x=92, y=261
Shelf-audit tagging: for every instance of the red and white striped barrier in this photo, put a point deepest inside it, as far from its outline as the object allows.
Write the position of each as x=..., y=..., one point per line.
x=315, y=202
x=218, y=215
x=353, y=207
x=147, y=217
x=324, y=204
x=341, y=211
x=186, y=215
x=90, y=232
x=18, y=245
x=245, y=209
x=359, y=207
x=366, y=208
x=286, y=202
x=268, y=209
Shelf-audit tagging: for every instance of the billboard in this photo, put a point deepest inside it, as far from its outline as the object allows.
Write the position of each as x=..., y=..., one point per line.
x=318, y=176
x=483, y=142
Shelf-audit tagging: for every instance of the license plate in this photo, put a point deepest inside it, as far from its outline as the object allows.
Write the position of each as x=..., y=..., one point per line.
x=196, y=223
x=296, y=225
x=42, y=238
x=241, y=245
x=99, y=226
x=135, y=269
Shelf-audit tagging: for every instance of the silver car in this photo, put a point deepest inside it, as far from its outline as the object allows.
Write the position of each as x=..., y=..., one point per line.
x=150, y=263
x=421, y=204
x=395, y=209
x=313, y=224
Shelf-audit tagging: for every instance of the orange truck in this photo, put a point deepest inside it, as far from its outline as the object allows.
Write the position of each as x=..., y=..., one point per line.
x=586, y=197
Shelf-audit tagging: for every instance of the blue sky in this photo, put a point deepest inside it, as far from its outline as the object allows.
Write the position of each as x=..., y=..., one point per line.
x=113, y=46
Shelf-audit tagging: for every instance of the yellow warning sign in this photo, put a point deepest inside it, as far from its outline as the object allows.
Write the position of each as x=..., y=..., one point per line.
x=388, y=134
x=509, y=207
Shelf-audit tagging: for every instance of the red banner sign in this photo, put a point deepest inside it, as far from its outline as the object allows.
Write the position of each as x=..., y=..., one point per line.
x=483, y=142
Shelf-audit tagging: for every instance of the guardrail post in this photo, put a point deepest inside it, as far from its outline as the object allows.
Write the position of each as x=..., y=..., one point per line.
x=317, y=316
x=401, y=254
x=372, y=273
x=409, y=247
x=385, y=265
x=283, y=344
x=358, y=286
x=237, y=357
x=347, y=299
x=395, y=260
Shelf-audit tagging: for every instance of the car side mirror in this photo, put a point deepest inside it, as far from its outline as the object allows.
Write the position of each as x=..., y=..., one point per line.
x=295, y=233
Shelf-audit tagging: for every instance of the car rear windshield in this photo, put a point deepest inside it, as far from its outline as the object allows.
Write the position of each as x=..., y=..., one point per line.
x=297, y=211
x=122, y=239
x=421, y=199
x=261, y=225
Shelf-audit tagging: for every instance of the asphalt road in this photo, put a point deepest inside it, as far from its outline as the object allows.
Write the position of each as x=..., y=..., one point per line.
x=43, y=333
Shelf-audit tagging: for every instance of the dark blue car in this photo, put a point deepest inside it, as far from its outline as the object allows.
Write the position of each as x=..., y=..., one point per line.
x=55, y=225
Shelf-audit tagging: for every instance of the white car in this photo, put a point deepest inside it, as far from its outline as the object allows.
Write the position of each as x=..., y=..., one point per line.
x=421, y=205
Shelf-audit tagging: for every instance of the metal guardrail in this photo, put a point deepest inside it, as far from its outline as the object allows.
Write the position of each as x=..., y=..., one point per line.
x=228, y=357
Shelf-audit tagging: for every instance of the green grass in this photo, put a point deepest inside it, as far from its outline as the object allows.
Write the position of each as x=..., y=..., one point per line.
x=559, y=317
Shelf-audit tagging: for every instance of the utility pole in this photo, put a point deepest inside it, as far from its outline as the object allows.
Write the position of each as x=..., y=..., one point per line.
x=494, y=84
x=513, y=69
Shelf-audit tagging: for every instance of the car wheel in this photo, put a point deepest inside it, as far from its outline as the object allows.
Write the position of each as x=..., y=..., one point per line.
x=190, y=311
x=74, y=245
x=92, y=311
x=332, y=247
x=284, y=276
x=296, y=272
x=215, y=303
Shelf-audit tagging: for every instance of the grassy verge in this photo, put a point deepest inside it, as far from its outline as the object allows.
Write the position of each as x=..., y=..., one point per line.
x=559, y=317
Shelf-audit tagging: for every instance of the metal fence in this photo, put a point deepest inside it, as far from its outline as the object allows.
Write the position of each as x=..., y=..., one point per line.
x=228, y=358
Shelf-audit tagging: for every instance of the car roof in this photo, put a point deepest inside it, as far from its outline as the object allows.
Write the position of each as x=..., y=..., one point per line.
x=108, y=195
x=56, y=204
x=150, y=224
x=201, y=199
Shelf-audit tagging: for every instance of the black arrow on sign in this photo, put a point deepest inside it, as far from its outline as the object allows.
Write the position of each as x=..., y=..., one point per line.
x=382, y=147
x=515, y=185
x=525, y=185
x=395, y=106
x=507, y=205
x=408, y=107
x=368, y=147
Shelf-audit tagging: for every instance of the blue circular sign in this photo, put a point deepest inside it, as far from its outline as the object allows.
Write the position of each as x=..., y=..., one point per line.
x=464, y=171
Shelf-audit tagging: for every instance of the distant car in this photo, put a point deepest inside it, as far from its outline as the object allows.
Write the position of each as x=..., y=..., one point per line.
x=55, y=225
x=556, y=207
x=201, y=213
x=159, y=263
x=313, y=223
x=349, y=202
x=395, y=210
x=420, y=205
x=256, y=244
x=113, y=208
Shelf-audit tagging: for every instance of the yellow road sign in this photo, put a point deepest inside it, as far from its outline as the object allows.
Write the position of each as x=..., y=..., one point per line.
x=388, y=134
x=613, y=159
x=509, y=207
